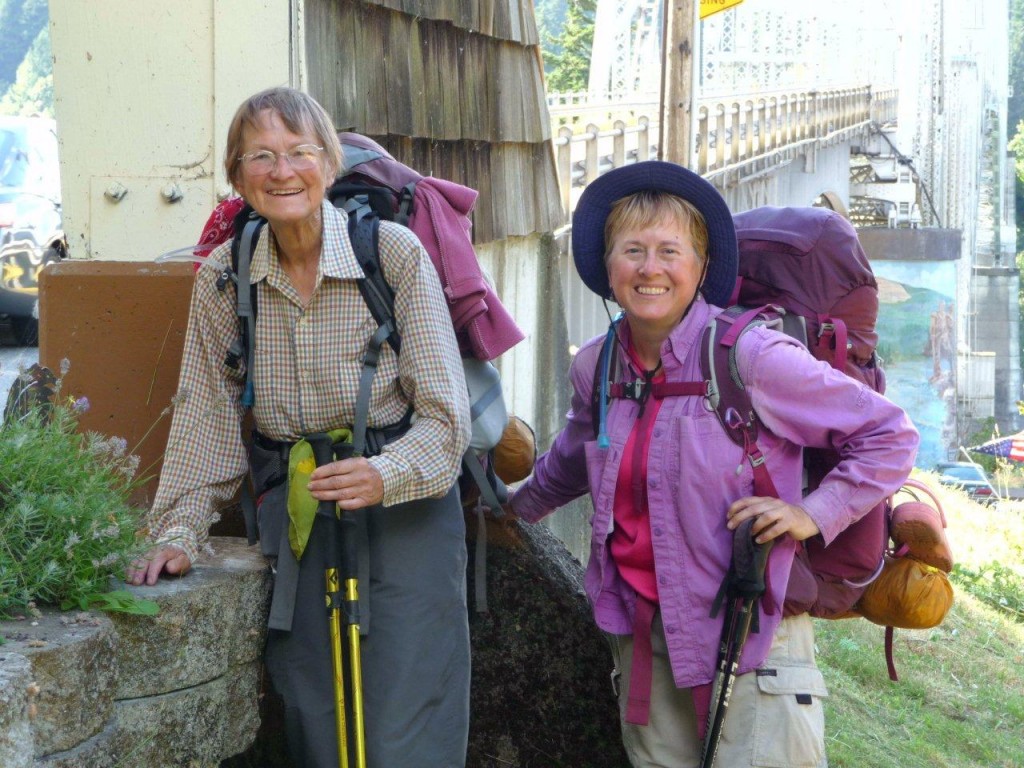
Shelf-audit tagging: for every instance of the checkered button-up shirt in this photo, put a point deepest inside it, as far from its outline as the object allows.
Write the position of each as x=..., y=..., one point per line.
x=306, y=369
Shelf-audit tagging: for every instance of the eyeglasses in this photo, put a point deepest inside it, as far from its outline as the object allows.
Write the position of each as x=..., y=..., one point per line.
x=301, y=158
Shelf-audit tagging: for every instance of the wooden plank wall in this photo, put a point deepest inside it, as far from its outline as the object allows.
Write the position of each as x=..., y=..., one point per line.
x=453, y=88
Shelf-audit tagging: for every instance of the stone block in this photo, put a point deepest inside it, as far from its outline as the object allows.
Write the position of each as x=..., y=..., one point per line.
x=209, y=618
x=96, y=752
x=195, y=727
x=72, y=661
x=16, y=742
x=248, y=619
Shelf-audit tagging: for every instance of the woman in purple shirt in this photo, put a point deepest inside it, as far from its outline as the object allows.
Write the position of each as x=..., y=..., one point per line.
x=671, y=487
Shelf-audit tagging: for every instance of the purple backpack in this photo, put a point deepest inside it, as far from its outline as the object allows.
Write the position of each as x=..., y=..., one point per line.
x=809, y=263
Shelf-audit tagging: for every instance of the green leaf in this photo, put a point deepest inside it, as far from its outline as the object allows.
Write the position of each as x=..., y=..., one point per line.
x=122, y=601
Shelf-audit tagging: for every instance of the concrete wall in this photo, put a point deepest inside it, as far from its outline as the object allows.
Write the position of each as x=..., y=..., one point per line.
x=996, y=329
x=797, y=183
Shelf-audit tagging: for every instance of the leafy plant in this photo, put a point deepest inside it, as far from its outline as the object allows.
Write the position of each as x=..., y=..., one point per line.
x=66, y=524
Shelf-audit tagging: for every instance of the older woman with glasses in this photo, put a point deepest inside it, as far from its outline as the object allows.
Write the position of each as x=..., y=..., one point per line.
x=313, y=325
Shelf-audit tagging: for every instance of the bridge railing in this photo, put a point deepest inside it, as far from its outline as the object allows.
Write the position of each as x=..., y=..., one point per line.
x=758, y=132
x=739, y=133
x=736, y=135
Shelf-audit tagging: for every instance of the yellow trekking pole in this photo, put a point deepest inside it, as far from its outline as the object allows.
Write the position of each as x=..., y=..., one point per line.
x=342, y=599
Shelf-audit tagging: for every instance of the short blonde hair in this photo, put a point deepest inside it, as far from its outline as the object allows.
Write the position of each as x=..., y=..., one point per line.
x=648, y=207
x=299, y=112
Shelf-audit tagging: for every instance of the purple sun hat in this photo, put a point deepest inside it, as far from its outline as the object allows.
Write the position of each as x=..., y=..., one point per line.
x=595, y=204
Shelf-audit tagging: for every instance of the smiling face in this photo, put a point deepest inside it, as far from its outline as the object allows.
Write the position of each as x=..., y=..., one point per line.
x=284, y=196
x=654, y=266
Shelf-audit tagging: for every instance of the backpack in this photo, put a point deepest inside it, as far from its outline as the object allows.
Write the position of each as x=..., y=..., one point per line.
x=801, y=271
x=808, y=263
x=374, y=187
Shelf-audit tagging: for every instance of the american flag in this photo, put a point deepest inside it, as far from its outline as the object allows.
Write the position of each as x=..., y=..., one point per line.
x=1011, y=447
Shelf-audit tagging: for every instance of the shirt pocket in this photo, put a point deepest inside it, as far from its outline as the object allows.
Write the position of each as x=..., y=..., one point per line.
x=789, y=726
x=698, y=452
x=601, y=488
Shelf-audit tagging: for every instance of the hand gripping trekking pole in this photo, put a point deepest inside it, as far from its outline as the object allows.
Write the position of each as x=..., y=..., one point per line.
x=341, y=577
x=742, y=589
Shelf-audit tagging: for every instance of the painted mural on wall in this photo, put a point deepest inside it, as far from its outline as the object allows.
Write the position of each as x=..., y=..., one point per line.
x=917, y=344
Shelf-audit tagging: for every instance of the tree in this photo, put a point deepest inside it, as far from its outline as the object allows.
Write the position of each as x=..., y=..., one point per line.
x=550, y=15
x=1015, y=108
x=570, y=68
x=32, y=92
x=20, y=23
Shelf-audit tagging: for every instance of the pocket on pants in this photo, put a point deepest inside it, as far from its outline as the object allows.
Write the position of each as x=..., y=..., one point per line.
x=789, y=728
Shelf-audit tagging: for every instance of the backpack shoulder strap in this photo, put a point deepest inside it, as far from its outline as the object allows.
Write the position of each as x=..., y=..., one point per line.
x=364, y=233
x=242, y=249
x=728, y=395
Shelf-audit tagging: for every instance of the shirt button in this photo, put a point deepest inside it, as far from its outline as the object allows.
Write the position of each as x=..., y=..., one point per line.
x=654, y=483
x=671, y=629
x=662, y=580
x=657, y=432
x=657, y=531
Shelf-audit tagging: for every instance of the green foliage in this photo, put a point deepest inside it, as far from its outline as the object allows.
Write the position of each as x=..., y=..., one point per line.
x=1015, y=109
x=570, y=65
x=66, y=525
x=1016, y=146
x=20, y=23
x=996, y=584
x=959, y=702
x=32, y=92
x=550, y=15
x=1015, y=104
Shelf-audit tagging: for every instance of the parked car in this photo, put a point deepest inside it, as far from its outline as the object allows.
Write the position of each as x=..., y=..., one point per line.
x=968, y=476
x=31, y=233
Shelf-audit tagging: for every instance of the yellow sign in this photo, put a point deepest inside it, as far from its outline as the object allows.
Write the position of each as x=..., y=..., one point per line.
x=708, y=7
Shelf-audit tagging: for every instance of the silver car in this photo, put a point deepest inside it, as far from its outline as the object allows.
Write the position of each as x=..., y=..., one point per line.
x=968, y=476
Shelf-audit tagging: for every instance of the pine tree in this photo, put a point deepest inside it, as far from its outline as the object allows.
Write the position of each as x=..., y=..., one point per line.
x=20, y=23
x=550, y=15
x=570, y=68
x=32, y=92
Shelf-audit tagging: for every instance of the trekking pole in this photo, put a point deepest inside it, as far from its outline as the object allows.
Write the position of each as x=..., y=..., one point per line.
x=744, y=587
x=341, y=573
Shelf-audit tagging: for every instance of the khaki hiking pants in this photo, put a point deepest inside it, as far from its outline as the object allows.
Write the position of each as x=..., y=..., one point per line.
x=774, y=719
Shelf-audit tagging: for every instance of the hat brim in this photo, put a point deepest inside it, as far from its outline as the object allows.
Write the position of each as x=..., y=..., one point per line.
x=588, y=220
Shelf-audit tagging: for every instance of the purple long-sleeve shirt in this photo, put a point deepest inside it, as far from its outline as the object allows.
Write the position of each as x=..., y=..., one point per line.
x=695, y=472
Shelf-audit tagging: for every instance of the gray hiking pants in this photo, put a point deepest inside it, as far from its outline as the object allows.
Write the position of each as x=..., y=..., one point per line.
x=415, y=657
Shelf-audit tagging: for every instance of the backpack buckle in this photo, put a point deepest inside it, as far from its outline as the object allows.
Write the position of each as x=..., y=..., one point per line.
x=222, y=279
x=635, y=390
x=233, y=358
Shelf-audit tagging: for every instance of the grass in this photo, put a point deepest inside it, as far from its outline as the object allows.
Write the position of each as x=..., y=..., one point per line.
x=960, y=698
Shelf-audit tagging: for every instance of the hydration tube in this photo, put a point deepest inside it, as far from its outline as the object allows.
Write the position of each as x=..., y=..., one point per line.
x=605, y=363
x=188, y=253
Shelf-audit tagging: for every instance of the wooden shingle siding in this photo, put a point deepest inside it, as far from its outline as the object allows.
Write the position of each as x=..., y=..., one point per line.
x=504, y=19
x=453, y=89
x=361, y=61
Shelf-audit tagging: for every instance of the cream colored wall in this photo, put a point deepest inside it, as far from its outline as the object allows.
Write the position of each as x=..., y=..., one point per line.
x=144, y=91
